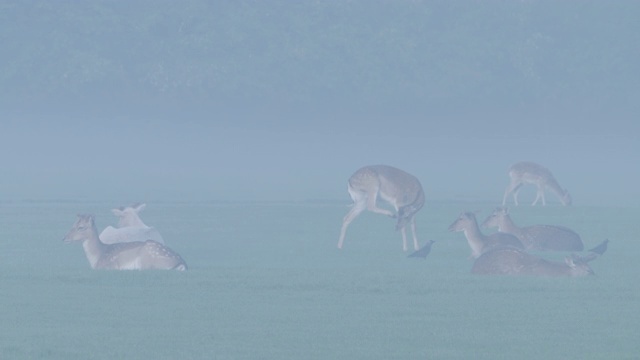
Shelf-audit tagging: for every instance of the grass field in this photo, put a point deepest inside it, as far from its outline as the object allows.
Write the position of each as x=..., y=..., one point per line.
x=266, y=281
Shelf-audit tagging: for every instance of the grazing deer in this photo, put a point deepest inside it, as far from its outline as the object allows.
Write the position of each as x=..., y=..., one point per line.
x=511, y=261
x=531, y=173
x=398, y=188
x=130, y=227
x=137, y=255
x=536, y=237
x=479, y=242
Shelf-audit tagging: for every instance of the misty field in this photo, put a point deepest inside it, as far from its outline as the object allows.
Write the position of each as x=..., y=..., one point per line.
x=266, y=281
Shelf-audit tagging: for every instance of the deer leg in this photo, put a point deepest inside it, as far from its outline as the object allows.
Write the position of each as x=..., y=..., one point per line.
x=413, y=231
x=515, y=194
x=506, y=194
x=358, y=207
x=373, y=207
x=513, y=188
x=404, y=239
x=539, y=196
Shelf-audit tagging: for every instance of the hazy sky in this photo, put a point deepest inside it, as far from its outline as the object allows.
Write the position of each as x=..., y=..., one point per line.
x=135, y=159
x=575, y=109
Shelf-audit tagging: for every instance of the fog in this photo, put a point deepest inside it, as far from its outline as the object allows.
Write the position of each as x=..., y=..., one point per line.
x=257, y=140
x=137, y=159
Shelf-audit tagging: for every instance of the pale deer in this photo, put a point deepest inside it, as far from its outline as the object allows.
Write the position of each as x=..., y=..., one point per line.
x=398, y=188
x=536, y=237
x=136, y=255
x=130, y=227
x=479, y=242
x=511, y=261
x=531, y=173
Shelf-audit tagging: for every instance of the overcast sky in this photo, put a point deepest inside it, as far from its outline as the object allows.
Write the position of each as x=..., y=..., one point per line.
x=136, y=159
x=576, y=110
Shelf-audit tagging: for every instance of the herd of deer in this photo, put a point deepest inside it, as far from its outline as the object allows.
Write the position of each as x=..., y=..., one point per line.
x=505, y=252
x=133, y=245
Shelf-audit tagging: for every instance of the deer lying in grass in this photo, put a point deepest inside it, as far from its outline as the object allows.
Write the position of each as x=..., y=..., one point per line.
x=536, y=237
x=511, y=261
x=479, y=242
x=130, y=227
x=137, y=255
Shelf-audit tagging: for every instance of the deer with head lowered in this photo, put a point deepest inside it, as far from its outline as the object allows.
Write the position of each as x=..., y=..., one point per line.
x=531, y=173
x=479, y=242
x=536, y=237
x=137, y=255
x=511, y=261
x=401, y=190
x=130, y=227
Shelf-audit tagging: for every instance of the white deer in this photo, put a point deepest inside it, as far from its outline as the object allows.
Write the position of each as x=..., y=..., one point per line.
x=130, y=227
x=531, y=173
x=398, y=188
x=137, y=255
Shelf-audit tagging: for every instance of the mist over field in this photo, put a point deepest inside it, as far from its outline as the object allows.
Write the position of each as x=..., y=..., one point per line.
x=112, y=158
x=283, y=102
x=238, y=124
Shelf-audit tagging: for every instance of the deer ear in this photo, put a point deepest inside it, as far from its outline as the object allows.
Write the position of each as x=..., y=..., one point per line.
x=117, y=212
x=85, y=216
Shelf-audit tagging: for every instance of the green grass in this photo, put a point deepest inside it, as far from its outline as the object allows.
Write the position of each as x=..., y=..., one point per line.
x=267, y=282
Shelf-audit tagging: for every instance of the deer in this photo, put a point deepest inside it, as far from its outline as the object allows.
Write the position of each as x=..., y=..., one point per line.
x=137, y=255
x=479, y=242
x=400, y=189
x=531, y=173
x=512, y=261
x=535, y=237
x=130, y=227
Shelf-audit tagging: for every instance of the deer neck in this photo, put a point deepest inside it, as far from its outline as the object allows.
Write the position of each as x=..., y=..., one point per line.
x=553, y=185
x=93, y=247
x=507, y=225
x=475, y=238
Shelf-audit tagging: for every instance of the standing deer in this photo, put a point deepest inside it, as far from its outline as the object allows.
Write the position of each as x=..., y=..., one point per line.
x=130, y=227
x=531, y=173
x=536, y=237
x=398, y=188
x=479, y=242
x=136, y=255
x=511, y=261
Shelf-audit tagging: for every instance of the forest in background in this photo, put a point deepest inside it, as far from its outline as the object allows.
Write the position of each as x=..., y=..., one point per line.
x=103, y=54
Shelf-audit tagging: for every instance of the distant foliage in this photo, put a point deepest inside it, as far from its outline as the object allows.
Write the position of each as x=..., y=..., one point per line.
x=305, y=52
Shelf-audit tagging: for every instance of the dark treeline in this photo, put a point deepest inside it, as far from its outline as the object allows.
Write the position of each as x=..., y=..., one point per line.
x=106, y=54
